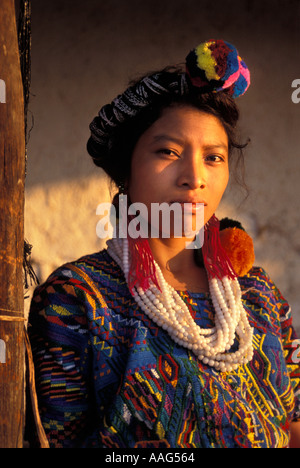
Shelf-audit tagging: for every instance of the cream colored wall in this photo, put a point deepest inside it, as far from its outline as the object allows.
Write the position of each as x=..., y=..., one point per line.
x=83, y=54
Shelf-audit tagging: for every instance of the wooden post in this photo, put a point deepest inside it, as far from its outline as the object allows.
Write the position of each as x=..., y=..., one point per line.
x=12, y=175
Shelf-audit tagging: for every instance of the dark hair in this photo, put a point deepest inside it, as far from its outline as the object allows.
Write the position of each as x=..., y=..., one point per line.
x=115, y=159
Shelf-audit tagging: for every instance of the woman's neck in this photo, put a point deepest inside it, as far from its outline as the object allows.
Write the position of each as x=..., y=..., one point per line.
x=178, y=265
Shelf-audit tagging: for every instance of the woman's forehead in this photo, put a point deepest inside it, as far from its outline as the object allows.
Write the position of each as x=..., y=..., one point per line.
x=181, y=124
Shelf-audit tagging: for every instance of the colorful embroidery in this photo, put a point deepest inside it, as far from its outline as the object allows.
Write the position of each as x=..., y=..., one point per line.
x=109, y=377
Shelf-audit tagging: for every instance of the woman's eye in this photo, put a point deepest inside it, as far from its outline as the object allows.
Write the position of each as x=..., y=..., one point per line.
x=215, y=158
x=168, y=152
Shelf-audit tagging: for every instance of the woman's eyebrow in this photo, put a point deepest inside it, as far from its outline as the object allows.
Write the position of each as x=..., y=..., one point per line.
x=219, y=145
x=168, y=137
x=210, y=146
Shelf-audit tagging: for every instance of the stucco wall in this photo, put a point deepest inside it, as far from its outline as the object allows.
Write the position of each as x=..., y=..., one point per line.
x=84, y=53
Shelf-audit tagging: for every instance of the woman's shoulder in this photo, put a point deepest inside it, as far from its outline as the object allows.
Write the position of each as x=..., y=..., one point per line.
x=76, y=290
x=257, y=280
x=257, y=276
x=82, y=277
x=96, y=266
x=258, y=288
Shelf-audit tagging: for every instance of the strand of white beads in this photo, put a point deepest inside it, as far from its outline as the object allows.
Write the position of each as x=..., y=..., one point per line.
x=167, y=309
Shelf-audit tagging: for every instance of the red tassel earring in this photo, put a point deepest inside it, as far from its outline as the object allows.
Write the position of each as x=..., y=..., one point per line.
x=215, y=258
x=142, y=268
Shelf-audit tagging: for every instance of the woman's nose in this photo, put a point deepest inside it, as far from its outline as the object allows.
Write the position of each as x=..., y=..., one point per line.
x=192, y=174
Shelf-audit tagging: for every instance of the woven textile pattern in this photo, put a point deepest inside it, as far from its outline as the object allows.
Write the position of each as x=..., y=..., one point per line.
x=107, y=376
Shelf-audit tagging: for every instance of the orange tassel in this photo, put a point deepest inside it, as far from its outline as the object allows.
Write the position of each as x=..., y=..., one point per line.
x=239, y=248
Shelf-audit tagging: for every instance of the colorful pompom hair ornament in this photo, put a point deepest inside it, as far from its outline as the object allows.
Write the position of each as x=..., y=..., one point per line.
x=215, y=65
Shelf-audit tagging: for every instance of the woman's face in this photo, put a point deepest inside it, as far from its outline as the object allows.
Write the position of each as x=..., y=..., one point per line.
x=182, y=157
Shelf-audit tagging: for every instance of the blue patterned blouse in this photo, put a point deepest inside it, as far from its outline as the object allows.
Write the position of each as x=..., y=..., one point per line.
x=107, y=376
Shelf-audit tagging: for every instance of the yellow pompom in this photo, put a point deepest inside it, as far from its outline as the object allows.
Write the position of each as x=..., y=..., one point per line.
x=239, y=248
x=206, y=61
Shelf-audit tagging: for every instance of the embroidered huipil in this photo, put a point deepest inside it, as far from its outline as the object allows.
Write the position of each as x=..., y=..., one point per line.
x=107, y=376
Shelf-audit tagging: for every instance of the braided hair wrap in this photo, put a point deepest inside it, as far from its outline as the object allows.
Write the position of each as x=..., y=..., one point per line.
x=211, y=67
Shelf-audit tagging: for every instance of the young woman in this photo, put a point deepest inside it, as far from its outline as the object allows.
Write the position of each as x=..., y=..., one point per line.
x=149, y=343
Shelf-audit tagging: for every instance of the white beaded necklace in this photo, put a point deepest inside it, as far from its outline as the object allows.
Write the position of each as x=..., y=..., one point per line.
x=167, y=309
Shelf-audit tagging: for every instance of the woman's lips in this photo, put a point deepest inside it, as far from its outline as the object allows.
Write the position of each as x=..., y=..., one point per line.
x=191, y=206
